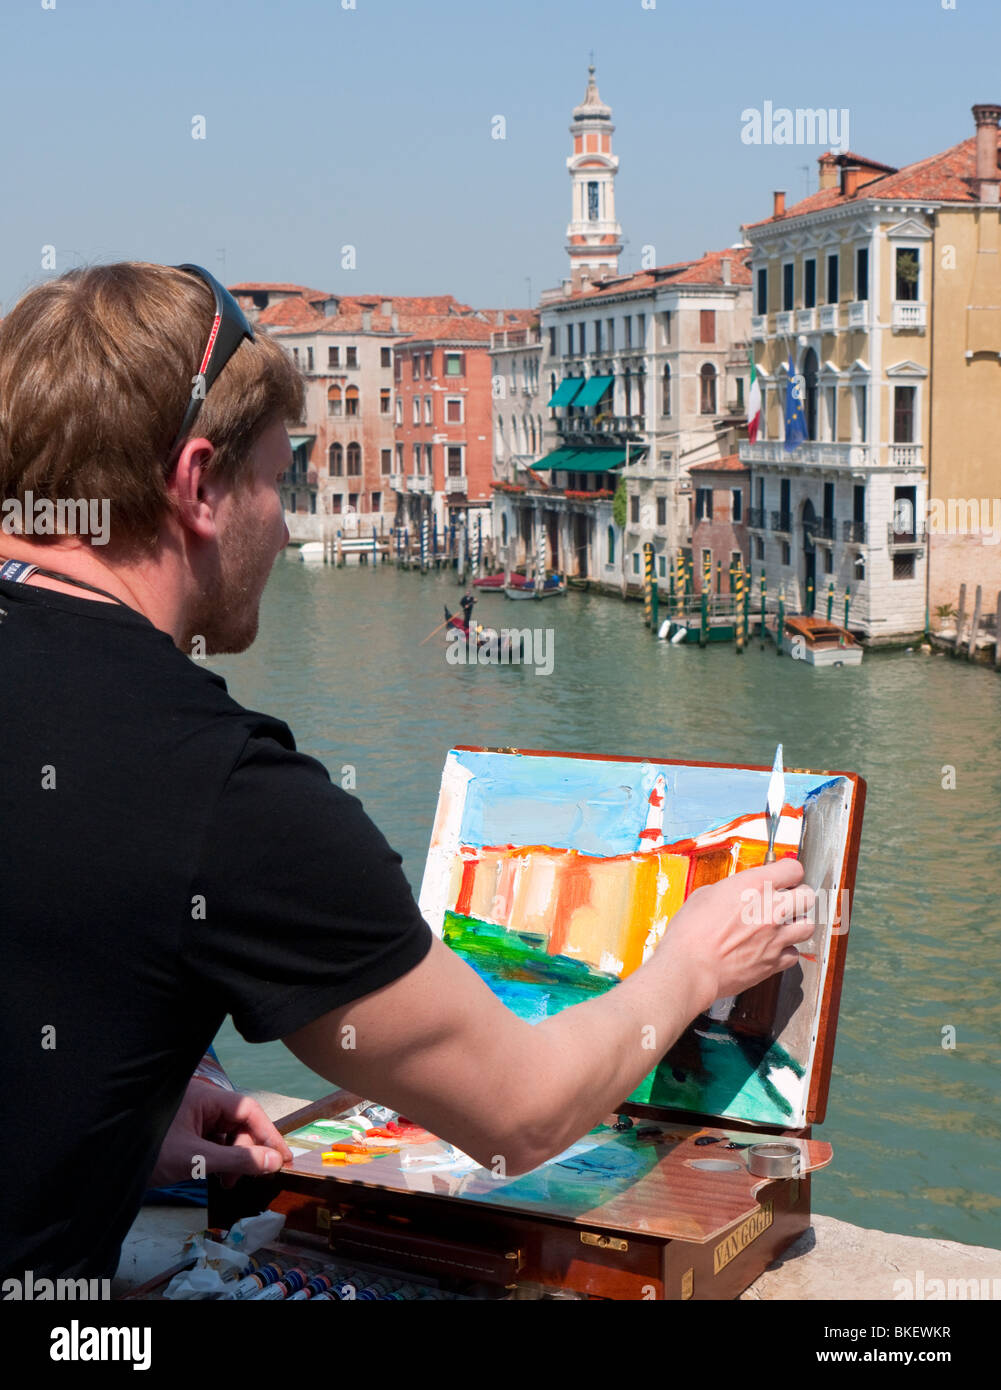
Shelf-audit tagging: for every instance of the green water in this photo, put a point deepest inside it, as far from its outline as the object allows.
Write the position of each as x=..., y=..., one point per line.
x=915, y=1126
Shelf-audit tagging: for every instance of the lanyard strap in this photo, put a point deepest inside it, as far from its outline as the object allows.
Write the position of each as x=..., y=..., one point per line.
x=18, y=571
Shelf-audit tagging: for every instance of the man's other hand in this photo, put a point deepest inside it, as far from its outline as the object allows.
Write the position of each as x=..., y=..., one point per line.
x=228, y=1132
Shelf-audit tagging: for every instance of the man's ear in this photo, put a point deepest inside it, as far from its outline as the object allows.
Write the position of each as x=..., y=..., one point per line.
x=194, y=495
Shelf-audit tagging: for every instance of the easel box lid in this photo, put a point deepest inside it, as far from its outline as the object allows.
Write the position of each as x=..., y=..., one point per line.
x=507, y=818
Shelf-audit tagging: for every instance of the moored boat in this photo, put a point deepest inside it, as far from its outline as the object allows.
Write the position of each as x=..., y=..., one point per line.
x=819, y=642
x=519, y=587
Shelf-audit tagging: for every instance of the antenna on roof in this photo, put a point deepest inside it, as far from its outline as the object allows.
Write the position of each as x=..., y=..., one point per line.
x=805, y=170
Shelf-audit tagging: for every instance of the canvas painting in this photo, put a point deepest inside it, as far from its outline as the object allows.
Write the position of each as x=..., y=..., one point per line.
x=556, y=875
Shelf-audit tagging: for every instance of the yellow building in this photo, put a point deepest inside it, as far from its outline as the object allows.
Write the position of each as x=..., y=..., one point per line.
x=884, y=289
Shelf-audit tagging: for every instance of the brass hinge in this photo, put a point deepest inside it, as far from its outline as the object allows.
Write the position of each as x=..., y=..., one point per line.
x=603, y=1242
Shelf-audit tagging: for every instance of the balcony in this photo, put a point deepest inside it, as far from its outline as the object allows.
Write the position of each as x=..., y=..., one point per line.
x=455, y=485
x=757, y=519
x=829, y=318
x=784, y=322
x=398, y=482
x=909, y=316
x=913, y=539
x=904, y=455
x=811, y=453
x=806, y=320
x=759, y=327
x=825, y=528
x=782, y=522
x=858, y=314
x=419, y=483
x=854, y=532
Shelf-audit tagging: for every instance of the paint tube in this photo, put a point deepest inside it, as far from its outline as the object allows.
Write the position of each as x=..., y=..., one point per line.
x=320, y=1283
x=253, y=1283
x=290, y=1283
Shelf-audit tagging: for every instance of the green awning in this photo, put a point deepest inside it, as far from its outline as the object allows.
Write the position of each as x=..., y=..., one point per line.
x=566, y=390
x=558, y=459
x=594, y=388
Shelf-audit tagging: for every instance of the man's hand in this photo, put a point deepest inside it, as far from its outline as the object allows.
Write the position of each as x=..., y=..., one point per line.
x=735, y=933
x=228, y=1131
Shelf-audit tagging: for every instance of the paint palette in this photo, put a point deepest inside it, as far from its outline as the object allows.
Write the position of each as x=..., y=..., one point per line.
x=556, y=875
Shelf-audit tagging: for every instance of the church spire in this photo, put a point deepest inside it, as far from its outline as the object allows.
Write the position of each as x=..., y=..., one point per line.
x=594, y=238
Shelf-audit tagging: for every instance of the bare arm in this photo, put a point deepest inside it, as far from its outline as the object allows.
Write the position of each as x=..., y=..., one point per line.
x=440, y=1047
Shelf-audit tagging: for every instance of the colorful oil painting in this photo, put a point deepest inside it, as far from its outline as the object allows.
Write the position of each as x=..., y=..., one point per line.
x=556, y=875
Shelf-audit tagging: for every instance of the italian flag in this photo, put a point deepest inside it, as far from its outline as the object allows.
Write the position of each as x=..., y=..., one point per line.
x=753, y=404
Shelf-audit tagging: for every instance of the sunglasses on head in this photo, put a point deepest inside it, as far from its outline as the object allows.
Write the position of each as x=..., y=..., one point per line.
x=229, y=328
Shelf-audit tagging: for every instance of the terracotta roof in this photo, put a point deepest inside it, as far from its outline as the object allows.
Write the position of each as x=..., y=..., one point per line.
x=459, y=330
x=730, y=464
x=292, y=312
x=706, y=270
x=948, y=177
x=279, y=287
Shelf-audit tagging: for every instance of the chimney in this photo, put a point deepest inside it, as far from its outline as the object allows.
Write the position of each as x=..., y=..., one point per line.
x=499, y=318
x=725, y=267
x=851, y=177
x=366, y=320
x=394, y=319
x=779, y=207
x=828, y=171
x=988, y=176
x=387, y=308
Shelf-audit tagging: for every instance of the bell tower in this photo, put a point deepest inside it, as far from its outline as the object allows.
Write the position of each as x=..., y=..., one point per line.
x=594, y=238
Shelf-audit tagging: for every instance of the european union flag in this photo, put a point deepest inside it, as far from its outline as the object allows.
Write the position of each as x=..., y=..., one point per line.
x=795, y=419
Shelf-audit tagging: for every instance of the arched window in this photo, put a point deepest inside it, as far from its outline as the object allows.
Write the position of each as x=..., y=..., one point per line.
x=354, y=459
x=529, y=429
x=334, y=403
x=611, y=545
x=665, y=390
x=627, y=383
x=335, y=456
x=707, y=382
x=351, y=400
x=503, y=528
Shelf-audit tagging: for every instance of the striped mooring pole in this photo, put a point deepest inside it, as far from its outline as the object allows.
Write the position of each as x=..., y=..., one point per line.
x=739, y=629
x=647, y=582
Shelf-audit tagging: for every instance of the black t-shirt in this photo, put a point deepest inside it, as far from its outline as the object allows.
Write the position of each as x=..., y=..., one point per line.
x=167, y=858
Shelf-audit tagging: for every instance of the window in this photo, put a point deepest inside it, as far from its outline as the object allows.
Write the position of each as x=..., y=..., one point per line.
x=569, y=339
x=399, y=410
x=828, y=560
x=417, y=410
x=593, y=201
x=398, y=368
x=740, y=393
x=858, y=502
x=351, y=400
x=610, y=324
x=903, y=414
x=503, y=528
x=785, y=552
x=399, y=458
x=427, y=365
x=386, y=356
x=831, y=409
x=295, y=359
x=417, y=459
x=788, y=285
x=333, y=357
x=386, y=463
x=736, y=504
x=906, y=273
x=634, y=511
x=336, y=503
x=662, y=566
x=707, y=384
x=641, y=330
x=707, y=325
x=665, y=320
x=703, y=504
x=352, y=356
x=761, y=293
x=428, y=461
x=611, y=545
x=453, y=410
x=862, y=273
x=428, y=411
x=759, y=548
x=627, y=388
x=636, y=562
x=582, y=338
x=860, y=395
x=385, y=401
x=641, y=393
x=353, y=501
x=597, y=335
x=334, y=402
x=354, y=460
x=809, y=283
x=377, y=501
x=627, y=330
x=665, y=390
x=761, y=494
x=335, y=457
x=312, y=502
x=552, y=343
x=454, y=453
x=455, y=364
x=415, y=366
x=661, y=511
x=832, y=278
x=309, y=359
x=903, y=565
x=828, y=501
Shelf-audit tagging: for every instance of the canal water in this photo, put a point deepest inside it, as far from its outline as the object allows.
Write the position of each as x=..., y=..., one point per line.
x=915, y=1124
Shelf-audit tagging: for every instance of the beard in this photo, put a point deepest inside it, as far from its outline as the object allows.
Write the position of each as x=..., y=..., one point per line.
x=227, y=613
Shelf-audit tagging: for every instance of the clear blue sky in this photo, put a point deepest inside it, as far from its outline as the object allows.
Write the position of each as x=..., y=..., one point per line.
x=372, y=126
